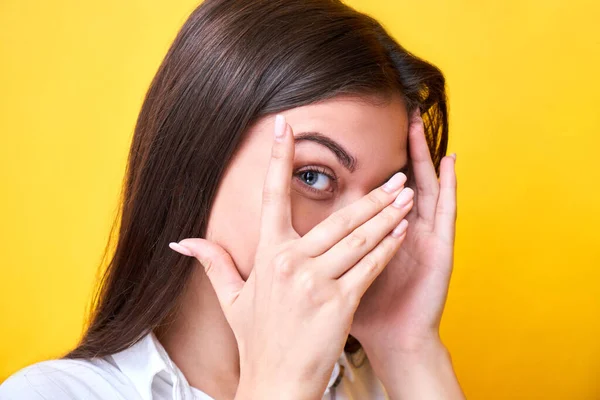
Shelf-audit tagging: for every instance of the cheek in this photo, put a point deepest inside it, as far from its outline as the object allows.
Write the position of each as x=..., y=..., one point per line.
x=307, y=213
x=234, y=220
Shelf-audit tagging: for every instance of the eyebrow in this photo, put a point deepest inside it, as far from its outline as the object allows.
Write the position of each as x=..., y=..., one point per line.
x=345, y=158
x=349, y=162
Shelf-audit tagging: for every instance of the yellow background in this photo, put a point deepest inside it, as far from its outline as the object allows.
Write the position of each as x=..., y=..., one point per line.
x=523, y=316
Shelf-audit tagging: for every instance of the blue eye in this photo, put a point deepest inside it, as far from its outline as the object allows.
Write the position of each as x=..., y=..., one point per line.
x=315, y=179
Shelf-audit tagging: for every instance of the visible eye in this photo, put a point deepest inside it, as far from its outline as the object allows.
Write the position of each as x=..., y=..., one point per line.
x=316, y=179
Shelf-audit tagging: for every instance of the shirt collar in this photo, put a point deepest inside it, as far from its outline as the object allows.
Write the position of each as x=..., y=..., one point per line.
x=348, y=369
x=143, y=361
x=341, y=369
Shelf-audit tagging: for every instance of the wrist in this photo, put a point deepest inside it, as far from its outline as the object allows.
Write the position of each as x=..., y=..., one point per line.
x=387, y=348
x=423, y=371
x=387, y=358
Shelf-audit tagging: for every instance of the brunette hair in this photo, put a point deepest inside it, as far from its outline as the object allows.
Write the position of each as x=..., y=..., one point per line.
x=232, y=63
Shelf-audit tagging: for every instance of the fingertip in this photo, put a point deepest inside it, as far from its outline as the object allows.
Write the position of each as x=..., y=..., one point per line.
x=401, y=237
x=283, y=144
x=289, y=135
x=416, y=119
x=448, y=162
x=400, y=229
x=448, y=172
x=396, y=182
x=280, y=128
x=416, y=133
x=181, y=249
x=416, y=113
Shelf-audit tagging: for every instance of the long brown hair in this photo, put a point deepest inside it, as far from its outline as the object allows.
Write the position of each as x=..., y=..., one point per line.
x=232, y=63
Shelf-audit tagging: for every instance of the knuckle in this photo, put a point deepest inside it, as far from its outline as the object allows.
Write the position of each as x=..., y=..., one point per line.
x=389, y=249
x=388, y=217
x=374, y=198
x=278, y=152
x=213, y=261
x=352, y=299
x=209, y=266
x=348, y=298
x=340, y=219
x=283, y=264
x=309, y=283
x=269, y=196
x=371, y=265
x=355, y=240
x=311, y=291
x=445, y=211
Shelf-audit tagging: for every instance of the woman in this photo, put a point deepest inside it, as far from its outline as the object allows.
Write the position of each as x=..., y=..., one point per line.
x=260, y=153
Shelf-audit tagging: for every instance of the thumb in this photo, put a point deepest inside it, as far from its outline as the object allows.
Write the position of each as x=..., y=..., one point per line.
x=218, y=265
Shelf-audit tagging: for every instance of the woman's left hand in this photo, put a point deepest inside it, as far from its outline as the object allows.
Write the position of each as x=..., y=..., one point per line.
x=399, y=316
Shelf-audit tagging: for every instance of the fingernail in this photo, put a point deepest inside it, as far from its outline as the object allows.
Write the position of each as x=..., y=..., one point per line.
x=279, y=127
x=395, y=182
x=400, y=229
x=453, y=155
x=404, y=197
x=181, y=249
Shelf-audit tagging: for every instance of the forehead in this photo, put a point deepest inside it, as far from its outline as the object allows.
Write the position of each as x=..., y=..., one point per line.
x=371, y=131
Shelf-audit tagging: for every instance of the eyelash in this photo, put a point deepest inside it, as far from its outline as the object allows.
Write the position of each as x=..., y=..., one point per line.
x=315, y=168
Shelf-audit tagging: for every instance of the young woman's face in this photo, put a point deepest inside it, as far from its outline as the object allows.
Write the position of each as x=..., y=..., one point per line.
x=344, y=149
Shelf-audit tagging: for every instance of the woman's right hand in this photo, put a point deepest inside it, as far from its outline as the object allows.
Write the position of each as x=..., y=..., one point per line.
x=292, y=316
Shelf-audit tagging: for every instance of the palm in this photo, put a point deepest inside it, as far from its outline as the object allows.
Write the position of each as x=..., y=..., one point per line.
x=404, y=304
x=407, y=299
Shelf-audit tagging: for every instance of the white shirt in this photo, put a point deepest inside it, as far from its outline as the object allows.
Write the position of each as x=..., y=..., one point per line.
x=145, y=371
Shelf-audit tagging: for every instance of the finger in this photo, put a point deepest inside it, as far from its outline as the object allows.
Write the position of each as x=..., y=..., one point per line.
x=357, y=280
x=340, y=223
x=276, y=215
x=218, y=266
x=424, y=172
x=350, y=250
x=445, y=217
